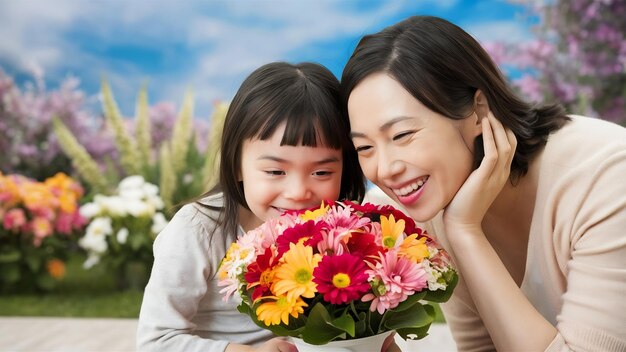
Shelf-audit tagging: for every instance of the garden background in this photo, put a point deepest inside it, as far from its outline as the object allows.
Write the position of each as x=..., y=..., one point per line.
x=110, y=114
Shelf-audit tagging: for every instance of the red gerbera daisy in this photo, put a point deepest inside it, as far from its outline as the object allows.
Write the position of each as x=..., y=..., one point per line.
x=260, y=273
x=364, y=244
x=342, y=278
x=294, y=234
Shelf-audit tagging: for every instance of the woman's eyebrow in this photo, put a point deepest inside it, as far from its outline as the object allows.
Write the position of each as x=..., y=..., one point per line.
x=385, y=126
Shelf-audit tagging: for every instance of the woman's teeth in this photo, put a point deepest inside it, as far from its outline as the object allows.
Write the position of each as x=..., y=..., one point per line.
x=413, y=187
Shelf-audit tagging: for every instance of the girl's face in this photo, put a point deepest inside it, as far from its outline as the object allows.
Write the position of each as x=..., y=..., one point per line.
x=278, y=178
x=416, y=156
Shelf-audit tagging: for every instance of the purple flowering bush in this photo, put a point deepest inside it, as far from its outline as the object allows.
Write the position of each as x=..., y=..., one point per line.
x=577, y=58
x=28, y=145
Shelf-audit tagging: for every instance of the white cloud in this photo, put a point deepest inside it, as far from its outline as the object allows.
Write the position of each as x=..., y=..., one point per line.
x=226, y=40
x=502, y=31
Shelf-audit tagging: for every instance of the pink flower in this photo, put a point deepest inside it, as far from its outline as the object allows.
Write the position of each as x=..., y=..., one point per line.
x=14, y=219
x=64, y=223
x=394, y=280
x=41, y=228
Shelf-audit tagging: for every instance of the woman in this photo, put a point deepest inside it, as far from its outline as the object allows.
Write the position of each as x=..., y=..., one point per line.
x=530, y=202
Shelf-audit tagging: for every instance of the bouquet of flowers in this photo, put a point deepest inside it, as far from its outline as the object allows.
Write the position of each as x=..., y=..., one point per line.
x=122, y=229
x=343, y=271
x=37, y=220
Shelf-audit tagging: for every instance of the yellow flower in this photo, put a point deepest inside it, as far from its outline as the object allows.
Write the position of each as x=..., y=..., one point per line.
x=67, y=202
x=279, y=309
x=295, y=275
x=37, y=195
x=414, y=249
x=391, y=230
x=9, y=191
x=314, y=214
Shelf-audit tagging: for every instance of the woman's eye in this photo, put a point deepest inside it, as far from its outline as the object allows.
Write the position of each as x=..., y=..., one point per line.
x=402, y=135
x=363, y=148
x=274, y=172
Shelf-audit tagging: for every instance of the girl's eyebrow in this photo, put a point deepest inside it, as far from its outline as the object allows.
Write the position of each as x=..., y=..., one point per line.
x=329, y=160
x=385, y=126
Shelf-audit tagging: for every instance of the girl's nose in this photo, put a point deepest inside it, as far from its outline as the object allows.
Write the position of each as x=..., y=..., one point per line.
x=298, y=190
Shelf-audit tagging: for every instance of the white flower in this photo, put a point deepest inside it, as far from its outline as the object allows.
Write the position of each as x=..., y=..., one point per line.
x=187, y=179
x=150, y=190
x=158, y=223
x=139, y=208
x=132, y=182
x=100, y=226
x=90, y=210
x=132, y=193
x=122, y=235
x=92, y=260
x=157, y=202
x=94, y=243
x=433, y=276
x=115, y=206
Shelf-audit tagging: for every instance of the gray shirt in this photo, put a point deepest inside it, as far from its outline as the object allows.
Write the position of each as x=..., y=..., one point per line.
x=182, y=308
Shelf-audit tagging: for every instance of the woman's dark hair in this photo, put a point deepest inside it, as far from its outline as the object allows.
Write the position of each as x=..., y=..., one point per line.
x=306, y=97
x=443, y=66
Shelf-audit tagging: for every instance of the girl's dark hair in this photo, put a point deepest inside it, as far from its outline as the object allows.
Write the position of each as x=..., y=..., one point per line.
x=443, y=66
x=306, y=97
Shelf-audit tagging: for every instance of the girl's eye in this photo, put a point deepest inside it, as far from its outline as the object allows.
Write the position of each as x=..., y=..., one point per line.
x=402, y=135
x=322, y=173
x=275, y=172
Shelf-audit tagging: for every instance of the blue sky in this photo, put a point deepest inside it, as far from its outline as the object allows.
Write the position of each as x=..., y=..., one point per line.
x=209, y=46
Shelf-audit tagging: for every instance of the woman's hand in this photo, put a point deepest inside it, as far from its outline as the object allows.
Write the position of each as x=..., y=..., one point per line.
x=389, y=345
x=471, y=202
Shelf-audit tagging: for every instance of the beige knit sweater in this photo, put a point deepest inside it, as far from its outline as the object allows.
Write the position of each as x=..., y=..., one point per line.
x=576, y=260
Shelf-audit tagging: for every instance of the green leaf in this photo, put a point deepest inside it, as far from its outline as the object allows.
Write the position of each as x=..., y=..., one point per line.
x=414, y=333
x=135, y=240
x=10, y=273
x=410, y=301
x=10, y=256
x=320, y=328
x=45, y=282
x=33, y=262
x=415, y=317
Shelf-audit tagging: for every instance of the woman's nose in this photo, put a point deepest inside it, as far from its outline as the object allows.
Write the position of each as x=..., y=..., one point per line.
x=389, y=166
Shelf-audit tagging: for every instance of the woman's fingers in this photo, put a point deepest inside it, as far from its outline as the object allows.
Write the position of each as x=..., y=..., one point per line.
x=489, y=145
x=499, y=144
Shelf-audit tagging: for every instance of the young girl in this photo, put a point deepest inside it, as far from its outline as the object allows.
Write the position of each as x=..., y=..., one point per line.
x=530, y=202
x=285, y=146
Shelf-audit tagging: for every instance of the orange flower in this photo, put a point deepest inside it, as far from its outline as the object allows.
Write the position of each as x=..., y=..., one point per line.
x=56, y=268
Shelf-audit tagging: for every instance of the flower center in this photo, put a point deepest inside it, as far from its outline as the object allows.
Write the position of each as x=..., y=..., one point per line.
x=341, y=280
x=266, y=277
x=303, y=276
x=389, y=241
x=282, y=303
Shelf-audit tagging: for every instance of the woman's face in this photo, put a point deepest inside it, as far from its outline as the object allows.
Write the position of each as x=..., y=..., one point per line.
x=416, y=156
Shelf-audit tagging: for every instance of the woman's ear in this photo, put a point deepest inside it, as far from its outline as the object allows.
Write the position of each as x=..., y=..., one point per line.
x=481, y=110
x=481, y=106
